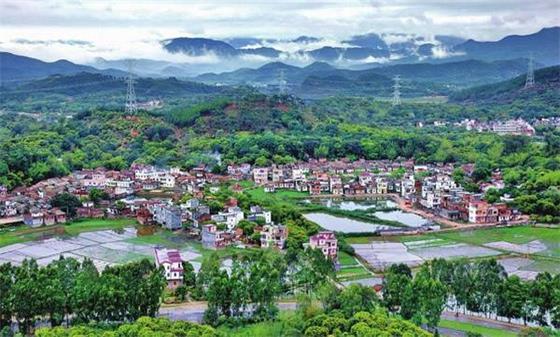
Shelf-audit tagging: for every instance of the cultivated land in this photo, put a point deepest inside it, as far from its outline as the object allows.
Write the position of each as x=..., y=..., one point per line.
x=524, y=250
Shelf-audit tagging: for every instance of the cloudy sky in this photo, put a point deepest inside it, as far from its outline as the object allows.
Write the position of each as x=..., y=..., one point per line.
x=80, y=30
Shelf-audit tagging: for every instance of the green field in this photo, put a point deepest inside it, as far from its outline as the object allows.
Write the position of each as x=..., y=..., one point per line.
x=10, y=236
x=521, y=234
x=468, y=327
x=280, y=197
x=350, y=268
x=89, y=225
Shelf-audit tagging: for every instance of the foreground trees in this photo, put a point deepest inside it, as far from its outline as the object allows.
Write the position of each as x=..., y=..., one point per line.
x=67, y=288
x=143, y=326
x=482, y=287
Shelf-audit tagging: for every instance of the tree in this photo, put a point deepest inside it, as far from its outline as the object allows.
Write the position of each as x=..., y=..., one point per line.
x=512, y=298
x=395, y=282
x=6, y=284
x=356, y=298
x=542, y=295
x=488, y=275
x=67, y=202
x=189, y=276
x=27, y=294
x=97, y=195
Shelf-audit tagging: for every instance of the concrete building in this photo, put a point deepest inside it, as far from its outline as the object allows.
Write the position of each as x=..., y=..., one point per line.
x=170, y=260
x=167, y=216
x=326, y=242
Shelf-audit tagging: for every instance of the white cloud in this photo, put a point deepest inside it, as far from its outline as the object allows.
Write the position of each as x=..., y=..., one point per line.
x=128, y=28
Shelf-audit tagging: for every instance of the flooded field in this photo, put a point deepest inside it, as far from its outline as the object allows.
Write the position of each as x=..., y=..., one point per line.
x=343, y=225
x=409, y=219
x=104, y=248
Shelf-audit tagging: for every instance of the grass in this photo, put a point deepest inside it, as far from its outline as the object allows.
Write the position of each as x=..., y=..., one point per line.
x=88, y=225
x=19, y=234
x=346, y=259
x=277, y=328
x=280, y=197
x=469, y=327
x=519, y=235
x=350, y=271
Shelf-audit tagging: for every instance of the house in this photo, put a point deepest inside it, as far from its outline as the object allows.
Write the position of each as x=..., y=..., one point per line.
x=3, y=192
x=259, y=212
x=325, y=241
x=212, y=238
x=315, y=187
x=144, y=217
x=274, y=236
x=260, y=175
x=230, y=218
x=172, y=263
x=37, y=218
x=269, y=188
x=60, y=216
x=167, y=216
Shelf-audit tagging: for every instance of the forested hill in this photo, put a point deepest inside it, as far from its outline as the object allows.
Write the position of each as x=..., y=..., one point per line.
x=85, y=91
x=85, y=83
x=546, y=90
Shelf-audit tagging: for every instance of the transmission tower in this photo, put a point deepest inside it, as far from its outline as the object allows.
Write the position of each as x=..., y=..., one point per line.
x=130, y=107
x=530, y=82
x=282, y=82
x=396, y=90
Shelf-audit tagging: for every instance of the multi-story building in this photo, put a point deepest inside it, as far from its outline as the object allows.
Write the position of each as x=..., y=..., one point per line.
x=274, y=236
x=172, y=263
x=260, y=175
x=326, y=242
x=230, y=218
x=259, y=212
x=167, y=216
x=213, y=238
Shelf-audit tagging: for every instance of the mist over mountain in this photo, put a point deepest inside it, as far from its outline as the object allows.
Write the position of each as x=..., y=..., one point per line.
x=442, y=59
x=358, y=52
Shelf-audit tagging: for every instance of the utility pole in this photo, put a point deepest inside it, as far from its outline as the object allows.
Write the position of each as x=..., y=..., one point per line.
x=130, y=107
x=530, y=81
x=396, y=90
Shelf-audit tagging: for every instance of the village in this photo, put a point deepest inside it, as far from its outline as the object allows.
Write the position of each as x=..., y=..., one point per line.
x=135, y=193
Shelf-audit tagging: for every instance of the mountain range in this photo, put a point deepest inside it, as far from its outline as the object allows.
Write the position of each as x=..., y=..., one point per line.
x=460, y=73
x=16, y=68
x=374, y=48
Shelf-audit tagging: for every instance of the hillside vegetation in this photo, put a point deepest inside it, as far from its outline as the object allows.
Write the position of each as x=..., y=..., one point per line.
x=546, y=90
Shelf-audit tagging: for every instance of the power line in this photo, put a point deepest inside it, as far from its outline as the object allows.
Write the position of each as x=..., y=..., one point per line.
x=530, y=81
x=131, y=108
x=396, y=90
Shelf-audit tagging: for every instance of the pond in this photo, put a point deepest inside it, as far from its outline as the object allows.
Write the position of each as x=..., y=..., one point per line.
x=385, y=206
x=408, y=219
x=344, y=225
x=353, y=204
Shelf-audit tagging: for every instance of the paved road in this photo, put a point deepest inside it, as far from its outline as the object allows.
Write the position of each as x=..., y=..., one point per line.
x=482, y=321
x=194, y=311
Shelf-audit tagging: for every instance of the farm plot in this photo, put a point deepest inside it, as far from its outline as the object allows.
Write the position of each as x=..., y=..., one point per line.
x=104, y=248
x=381, y=255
